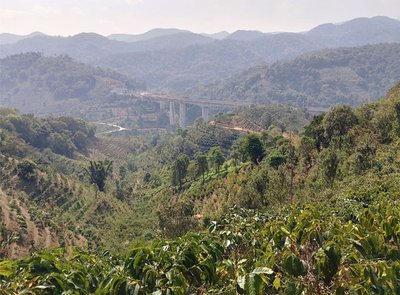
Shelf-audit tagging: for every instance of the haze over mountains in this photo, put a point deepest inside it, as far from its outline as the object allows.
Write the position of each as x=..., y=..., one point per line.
x=181, y=61
x=351, y=75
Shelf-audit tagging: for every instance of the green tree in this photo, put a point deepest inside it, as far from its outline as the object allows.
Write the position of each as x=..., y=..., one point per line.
x=383, y=123
x=363, y=157
x=175, y=218
x=61, y=144
x=316, y=131
x=216, y=157
x=202, y=164
x=26, y=169
x=237, y=151
x=306, y=149
x=98, y=171
x=179, y=170
x=80, y=140
x=123, y=191
x=338, y=122
x=290, y=165
x=330, y=162
x=254, y=148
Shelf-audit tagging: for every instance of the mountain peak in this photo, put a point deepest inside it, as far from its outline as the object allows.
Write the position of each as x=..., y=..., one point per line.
x=361, y=23
x=154, y=33
x=245, y=35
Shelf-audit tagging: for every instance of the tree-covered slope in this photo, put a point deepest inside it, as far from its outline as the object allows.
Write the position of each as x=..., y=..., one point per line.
x=316, y=212
x=184, y=68
x=356, y=32
x=47, y=196
x=317, y=215
x=31, y=82
x=324, y=78
x=91, y=46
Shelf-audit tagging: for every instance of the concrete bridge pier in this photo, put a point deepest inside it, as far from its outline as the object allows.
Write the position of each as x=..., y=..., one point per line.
x=182, y=115
x=171, y=113
x=204, y=113
x=163, y=105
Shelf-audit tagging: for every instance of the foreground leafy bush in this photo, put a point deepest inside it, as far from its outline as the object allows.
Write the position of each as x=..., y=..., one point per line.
x=244, y=253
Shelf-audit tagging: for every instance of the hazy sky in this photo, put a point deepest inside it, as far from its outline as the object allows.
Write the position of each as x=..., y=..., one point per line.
x=66, y=17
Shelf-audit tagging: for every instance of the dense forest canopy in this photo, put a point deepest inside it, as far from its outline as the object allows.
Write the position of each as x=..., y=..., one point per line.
x=325, y=78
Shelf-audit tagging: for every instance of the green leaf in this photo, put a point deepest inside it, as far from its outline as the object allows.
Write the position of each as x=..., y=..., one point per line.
x=277, y=283
x=7, y=268
x=294, y=266
x=255, y=284
x=263, y=270
x=290, y=289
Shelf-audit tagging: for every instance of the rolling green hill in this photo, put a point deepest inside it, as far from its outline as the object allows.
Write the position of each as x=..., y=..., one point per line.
x=324, y=78
x=31, y=82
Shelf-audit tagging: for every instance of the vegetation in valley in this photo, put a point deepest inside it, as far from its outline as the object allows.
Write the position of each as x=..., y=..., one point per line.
x=315, y=212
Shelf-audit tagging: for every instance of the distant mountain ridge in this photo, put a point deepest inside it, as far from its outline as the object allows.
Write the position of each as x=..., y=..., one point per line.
x=154, y=33
x=183, y=68
x=200, y=64
x=245, y=35
x=359, y=31
x=352, y=75
x=6, y=38
x=90, y=46
x=177, y=60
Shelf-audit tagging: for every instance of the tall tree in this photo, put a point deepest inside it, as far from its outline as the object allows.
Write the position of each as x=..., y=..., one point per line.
x=179, y=170
x=254, y=148
x=216, y=157
x=338, y=122
x=316, y=131
x=98, y=171
x=291, y=164
x=202, y=164
x=330, y=162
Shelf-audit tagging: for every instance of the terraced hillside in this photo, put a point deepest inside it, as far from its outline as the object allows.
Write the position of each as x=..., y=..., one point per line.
x=28, y=226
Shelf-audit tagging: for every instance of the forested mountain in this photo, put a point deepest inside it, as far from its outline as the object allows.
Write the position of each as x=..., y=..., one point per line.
x=154, y=33
x=6, y=38
x=166, y=50
x=323, y=78
x=162, y=70
x=264, y=214
x=90, y=46
x=35, y=83
x=357, y=32
x=243, y=35
x=145, y=36
x=183, y=68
